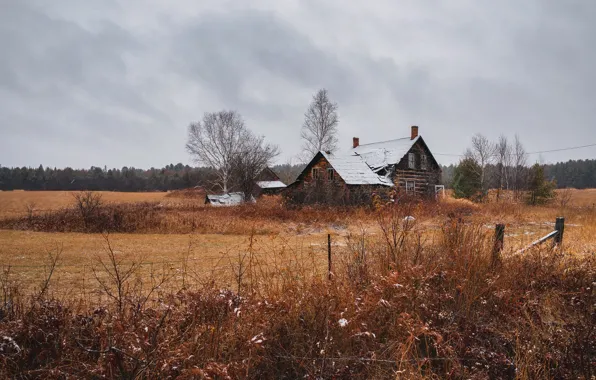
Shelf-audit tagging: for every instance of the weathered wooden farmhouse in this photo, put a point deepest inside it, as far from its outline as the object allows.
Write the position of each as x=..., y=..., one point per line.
x=406, y=164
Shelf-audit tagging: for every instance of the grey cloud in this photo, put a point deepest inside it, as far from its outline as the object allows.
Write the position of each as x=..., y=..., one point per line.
x=62, y=53
x=67, y=86
x=224, y=50
x=118, y=87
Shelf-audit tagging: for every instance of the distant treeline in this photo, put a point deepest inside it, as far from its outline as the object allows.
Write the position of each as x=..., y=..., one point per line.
x=579, y=174
x=171, y=177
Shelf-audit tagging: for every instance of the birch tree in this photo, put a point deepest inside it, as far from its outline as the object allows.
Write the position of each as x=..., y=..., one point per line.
x=519, y=163
x=503, y=163
x=319, y=131
x=483, y=151
x=222, y=140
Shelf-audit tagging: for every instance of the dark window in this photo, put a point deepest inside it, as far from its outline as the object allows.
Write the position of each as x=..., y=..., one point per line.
x=316, y=173
x=411, y=161
x=410, y=187
x=331, y=174
x=423, y=162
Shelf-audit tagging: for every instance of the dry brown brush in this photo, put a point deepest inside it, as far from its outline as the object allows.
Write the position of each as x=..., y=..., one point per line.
x=400, y=307
x=89, y=214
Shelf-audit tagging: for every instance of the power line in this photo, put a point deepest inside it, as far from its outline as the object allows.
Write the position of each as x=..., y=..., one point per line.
x=448, y=154
x=558, y=150
x=537, y=152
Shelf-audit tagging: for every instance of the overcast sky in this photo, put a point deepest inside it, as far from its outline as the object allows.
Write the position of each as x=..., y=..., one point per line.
x=116, y=82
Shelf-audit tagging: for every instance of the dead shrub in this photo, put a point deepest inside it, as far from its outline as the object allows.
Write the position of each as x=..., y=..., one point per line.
x=88, y=204
x=449, y=317
x=563, y=197
x=154, y=217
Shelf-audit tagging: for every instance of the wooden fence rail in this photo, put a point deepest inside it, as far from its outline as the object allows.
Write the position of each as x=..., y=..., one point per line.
x=556, y=235
x=499, y=242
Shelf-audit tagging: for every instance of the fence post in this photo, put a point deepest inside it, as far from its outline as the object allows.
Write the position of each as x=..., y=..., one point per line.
x=560, y=228
x=329, y=254
x=499, y=242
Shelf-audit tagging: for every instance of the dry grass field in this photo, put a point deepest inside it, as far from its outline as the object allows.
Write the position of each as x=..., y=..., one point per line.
x=210, y=253
x=580, y=198
x=204, y=256
x=15, y=203
x=243, y=292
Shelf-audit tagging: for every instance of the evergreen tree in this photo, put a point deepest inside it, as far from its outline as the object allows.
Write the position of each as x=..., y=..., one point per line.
x=467, y=181
x=540, y=190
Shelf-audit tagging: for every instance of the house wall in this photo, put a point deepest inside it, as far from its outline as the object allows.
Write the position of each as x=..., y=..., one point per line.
x=258, y=191
x=323, y=165
x=306, y=190
x=424, y=180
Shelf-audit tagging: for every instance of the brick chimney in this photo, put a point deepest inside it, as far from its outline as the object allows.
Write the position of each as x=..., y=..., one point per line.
x=355, y=142
x=414, y=132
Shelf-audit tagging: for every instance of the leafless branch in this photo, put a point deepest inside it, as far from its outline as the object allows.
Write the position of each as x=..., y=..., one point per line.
x=320, y=124
x=215, y=141
x=222, y=141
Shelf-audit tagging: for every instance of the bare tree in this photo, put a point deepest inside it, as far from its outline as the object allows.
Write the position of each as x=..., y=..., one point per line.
x=503, y=163
x=253, y=156
x=320, y=124
x=88, y=203
x=483, y=151
x=30, y=207
x=216, y=141
x=519, y=163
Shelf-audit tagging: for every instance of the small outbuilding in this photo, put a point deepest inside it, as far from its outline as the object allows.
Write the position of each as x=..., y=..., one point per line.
x=228, y=199
x=268, y=183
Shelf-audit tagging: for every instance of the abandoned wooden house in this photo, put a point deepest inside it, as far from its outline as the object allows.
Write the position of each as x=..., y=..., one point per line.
x=405, y=164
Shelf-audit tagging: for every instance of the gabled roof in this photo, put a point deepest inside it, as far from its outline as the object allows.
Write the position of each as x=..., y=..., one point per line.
x=380, y=154
x=354, y=171
x=360, y=165
x=267, y=174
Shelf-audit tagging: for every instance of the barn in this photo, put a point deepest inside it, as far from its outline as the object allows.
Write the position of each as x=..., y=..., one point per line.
x=268, y=183
x=404, y=164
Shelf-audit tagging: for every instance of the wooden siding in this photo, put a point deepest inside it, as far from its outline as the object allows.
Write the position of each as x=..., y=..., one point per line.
x=425, y=180
x=321, y=164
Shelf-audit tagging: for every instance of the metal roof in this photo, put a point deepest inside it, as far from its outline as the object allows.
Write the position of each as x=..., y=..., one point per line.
x=229, y=199
x=380, y=154
x=360, y=165
x=271, y=184
x=354, y=171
